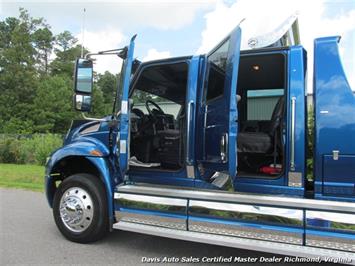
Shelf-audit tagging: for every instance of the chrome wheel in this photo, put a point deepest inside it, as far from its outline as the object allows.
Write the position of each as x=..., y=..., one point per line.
x=76, y=209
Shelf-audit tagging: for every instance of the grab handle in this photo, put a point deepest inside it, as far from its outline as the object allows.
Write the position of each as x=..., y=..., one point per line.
x=293, y=125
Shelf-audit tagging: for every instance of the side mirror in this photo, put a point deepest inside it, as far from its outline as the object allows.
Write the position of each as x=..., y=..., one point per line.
x=82, y=102
x=83, y=76
x=83, y=82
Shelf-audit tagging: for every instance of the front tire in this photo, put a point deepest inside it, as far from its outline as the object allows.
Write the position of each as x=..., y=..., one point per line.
x=80, y=208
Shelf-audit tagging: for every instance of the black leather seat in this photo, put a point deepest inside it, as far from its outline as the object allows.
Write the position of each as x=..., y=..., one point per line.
x=169, y=147
x=261, y=142
x=254, y=142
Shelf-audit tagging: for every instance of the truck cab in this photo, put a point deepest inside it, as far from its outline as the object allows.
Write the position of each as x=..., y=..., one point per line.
x=215, y=144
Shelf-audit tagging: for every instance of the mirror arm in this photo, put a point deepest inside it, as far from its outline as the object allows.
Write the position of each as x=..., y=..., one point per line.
x=94, y=119
x=122, y=53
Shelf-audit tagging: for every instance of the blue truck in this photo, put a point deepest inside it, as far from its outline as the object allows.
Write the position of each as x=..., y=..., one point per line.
x=228, y=164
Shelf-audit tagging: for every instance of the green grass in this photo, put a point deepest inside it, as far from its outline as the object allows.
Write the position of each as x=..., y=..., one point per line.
x=22, y=176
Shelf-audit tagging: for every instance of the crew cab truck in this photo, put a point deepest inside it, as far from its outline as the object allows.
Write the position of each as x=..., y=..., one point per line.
x=212, y=148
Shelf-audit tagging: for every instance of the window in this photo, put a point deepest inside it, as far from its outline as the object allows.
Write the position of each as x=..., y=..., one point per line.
x=140, y=97
x=164, y=84
x=261, y=103
x=217, y=62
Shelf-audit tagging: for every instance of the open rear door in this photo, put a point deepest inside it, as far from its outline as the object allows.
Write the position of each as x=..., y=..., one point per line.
x=124, y=126
x=220, y=125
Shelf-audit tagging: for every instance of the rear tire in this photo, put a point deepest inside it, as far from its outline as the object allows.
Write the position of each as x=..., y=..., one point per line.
x=80, y=208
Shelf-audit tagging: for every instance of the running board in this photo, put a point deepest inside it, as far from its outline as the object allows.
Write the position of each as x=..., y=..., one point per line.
x=238, y=197
x=303, y=222
x=243, y=243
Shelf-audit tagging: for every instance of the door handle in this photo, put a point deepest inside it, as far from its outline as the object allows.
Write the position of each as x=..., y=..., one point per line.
x=224, y=148
x=293, y=128
x=189, y=121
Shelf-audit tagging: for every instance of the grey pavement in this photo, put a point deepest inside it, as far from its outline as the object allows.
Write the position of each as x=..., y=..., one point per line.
x=28, y=235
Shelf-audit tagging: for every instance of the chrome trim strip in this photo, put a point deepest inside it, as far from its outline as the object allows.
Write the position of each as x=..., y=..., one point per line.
x=224, y=147
x=237, y=242
x=330, y=242
x=293, y=125
x=331, y=220
x=189, y=120
x=190, y=170
x=90, y=129
x=230, y=219
x=245, y=232
x=149, y=219
x=237, y=197
x=247, y=213
x=170, y=212
x=151, y=203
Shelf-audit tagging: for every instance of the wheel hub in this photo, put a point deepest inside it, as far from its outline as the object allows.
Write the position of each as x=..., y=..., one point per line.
x=76, y=209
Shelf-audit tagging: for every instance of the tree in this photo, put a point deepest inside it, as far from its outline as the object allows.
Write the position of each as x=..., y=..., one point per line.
x=52, y=109
x=35, y=94
x=43, y=40
x=63, y=64
x=108, y=83
x=98, y=108
x=66, y=53
x=18, y=78
x=64, y=41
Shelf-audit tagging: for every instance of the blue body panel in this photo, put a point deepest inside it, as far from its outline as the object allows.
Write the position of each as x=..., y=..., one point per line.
x=220, y=113
x=102, y=164
x=124, y=116
x=173, y=178
x=334, y=108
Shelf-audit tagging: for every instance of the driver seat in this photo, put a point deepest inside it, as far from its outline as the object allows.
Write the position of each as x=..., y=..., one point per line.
x=163, y=121
x=171, y=143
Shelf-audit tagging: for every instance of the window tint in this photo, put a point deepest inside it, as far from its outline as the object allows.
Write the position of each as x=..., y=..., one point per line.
x=217, y=62
x=261, y=103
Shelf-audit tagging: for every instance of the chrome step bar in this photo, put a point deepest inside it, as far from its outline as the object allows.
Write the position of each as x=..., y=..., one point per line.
x=296, y=221
x=237, y=197
x=242, y=243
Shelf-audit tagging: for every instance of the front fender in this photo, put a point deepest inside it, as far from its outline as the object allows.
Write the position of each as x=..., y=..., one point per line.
x=103, y=167
x=84, y=148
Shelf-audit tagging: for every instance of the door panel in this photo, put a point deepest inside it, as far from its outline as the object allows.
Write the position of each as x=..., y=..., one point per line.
x=220, y=127
x=191, y=115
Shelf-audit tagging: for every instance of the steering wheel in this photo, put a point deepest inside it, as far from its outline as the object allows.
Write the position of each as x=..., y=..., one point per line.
x=151, y=111
x=138, y=112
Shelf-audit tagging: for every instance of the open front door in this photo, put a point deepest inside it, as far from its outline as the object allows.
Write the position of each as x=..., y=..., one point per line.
x=220, y=106
x=124, y=126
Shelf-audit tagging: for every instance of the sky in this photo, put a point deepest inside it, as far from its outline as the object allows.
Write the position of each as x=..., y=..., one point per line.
x=181, y=27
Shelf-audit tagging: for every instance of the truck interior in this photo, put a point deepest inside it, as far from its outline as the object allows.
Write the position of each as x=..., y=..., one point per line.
x=261, y=114
x=158, y=117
